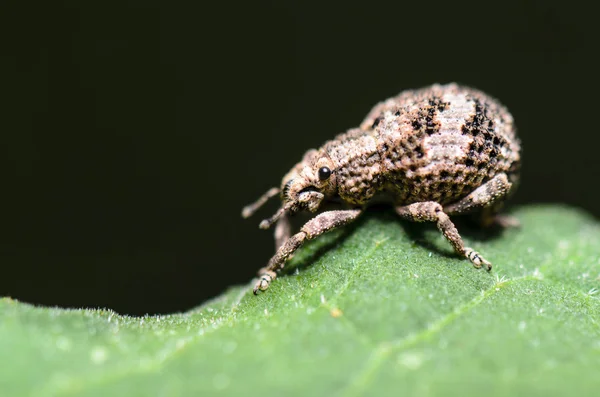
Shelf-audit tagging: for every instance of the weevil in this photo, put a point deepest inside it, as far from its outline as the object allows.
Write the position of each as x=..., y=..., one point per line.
x=433, y=152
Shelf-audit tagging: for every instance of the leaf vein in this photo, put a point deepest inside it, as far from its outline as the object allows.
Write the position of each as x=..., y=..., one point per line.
x=386, y=348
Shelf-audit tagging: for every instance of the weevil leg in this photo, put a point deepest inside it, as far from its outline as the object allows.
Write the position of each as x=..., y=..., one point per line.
x=488, y=199
x=318, y=225
x=430, y=211
x=250, y=209
x=490, y=216
x=283, y=231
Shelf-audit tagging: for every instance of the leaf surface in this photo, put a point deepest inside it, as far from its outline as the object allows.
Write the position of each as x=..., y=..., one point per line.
x=381, y=308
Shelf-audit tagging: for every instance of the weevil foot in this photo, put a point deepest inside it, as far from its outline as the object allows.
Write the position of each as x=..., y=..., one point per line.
x=265, y=279
x=477, y=260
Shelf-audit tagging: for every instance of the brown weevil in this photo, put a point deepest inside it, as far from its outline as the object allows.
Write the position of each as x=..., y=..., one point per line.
x=433, y=152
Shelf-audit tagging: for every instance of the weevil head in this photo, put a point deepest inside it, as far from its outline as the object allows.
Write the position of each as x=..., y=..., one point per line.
x=308, y=183
x=305, y=186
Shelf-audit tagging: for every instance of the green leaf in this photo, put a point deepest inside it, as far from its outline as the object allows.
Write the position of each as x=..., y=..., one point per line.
x=382, y=308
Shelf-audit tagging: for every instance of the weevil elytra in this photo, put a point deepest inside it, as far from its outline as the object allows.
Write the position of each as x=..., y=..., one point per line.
x=433, y=152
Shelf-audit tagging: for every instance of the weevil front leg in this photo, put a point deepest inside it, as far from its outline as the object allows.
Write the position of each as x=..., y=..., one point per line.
x=318, y=225
x=430, y=211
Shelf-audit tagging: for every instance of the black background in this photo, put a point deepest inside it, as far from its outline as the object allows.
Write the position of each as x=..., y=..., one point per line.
x=134, y=132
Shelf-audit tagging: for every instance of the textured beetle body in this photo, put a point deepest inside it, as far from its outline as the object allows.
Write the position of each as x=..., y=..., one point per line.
x=436, y=144
x=436, y=151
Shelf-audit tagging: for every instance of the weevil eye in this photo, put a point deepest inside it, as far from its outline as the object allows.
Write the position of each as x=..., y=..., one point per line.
x=324, y=173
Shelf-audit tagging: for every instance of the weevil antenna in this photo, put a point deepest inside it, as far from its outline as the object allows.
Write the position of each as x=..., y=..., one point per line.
x=248, y=210
x=267, y=223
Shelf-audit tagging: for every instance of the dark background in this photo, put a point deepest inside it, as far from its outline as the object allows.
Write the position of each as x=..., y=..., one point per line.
x=134, y=132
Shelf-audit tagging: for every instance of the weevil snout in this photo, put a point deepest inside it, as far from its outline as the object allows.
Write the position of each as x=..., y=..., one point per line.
x=295, y=198
x=311, y=200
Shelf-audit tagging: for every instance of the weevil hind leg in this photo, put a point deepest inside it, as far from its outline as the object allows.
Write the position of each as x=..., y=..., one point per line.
x=430, y=211
x=488, y=199
x=490, y=217
x=489, y=195
x=315, y=227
